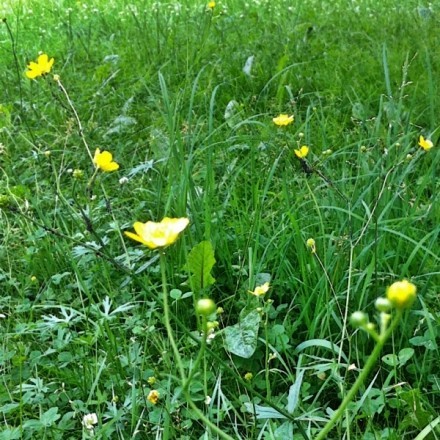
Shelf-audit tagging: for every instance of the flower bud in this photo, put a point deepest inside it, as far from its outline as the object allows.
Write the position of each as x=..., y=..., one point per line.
x=382, y=304
x=401, y=294
x=205, y=306
x=358, y=319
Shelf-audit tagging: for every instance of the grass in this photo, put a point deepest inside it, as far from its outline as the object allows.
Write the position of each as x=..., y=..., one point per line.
x=85, y=328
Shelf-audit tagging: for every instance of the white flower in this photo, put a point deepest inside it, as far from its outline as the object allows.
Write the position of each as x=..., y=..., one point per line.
x=89, y=420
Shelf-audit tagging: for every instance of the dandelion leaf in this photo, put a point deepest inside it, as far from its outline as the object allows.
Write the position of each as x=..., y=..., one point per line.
x=241, y=339
x=200, y=263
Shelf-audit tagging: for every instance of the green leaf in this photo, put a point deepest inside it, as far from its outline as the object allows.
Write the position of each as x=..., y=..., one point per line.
x=10, y=434
x=200, y=263
x=405, y=355
x=321, y=343
x=176, y=294
x=241, y=339
x=390, y=359
x=263, y=412
x=50, y=416
x=292, y=399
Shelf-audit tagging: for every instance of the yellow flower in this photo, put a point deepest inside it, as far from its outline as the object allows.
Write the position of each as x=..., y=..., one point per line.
x=151, y=380
x=302, y=152
x=39, y=68
x=158, y=235
x=260, y=290
x=311, y=244
x=283, y=119
x=211, y=5
x=153, y=397
x=104, y=161
x=401, y=294
x=426, y=144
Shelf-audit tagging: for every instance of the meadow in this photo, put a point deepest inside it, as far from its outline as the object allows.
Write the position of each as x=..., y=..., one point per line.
x=219, y=220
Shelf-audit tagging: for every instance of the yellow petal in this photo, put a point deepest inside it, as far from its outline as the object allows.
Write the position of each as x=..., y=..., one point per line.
x=32, y=74
x=134, y=237
x=42, y=59
x=111, y=166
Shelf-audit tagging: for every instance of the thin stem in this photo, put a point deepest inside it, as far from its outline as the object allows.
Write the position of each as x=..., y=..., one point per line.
x=17, y=70
x=200, y=356
x=166, y=313
x=78, y=121
x=178, y=359
x=266, y=360
x=361, y=379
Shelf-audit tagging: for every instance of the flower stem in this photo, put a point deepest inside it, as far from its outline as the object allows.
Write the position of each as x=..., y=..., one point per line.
x=178, y=359
x=361, y=379
x=199, y=356
x=166, y=313
x=77, y=119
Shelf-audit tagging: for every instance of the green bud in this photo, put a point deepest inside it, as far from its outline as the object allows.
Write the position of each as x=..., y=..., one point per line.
x=359, y=319
x=382, y=304
x=205, y=306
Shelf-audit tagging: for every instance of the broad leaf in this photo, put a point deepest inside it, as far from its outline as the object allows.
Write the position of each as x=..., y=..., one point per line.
x=241, y=339
x=292, y=400
x=200, y=263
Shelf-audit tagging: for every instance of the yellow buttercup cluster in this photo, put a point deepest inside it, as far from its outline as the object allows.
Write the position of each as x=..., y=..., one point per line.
x=158, y=235
x=39, y=68
x=401, y=294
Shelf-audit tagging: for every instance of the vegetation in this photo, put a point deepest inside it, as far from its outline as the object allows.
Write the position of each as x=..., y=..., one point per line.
x=178, y=260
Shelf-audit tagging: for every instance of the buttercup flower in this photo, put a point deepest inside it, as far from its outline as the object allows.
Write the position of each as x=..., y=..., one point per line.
x=260, y=290
x=153, y=397
x=211, y=5
x=39, y=68
x=283, y=119
x=158, y=235
x=89, y=420
x=426, y=144
x=104, y=161
x=402, y=294
x=302, y=152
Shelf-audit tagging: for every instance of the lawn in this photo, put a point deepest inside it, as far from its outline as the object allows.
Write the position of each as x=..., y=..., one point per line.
x=219, y=220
